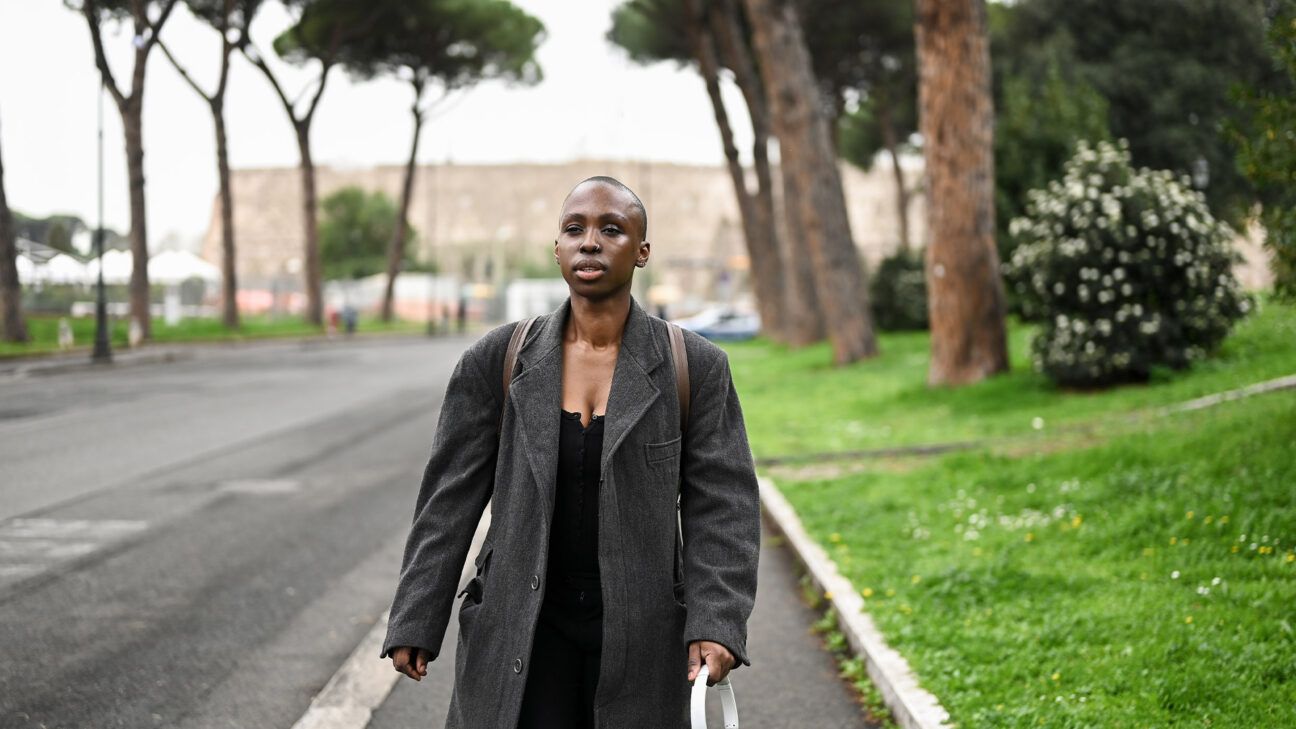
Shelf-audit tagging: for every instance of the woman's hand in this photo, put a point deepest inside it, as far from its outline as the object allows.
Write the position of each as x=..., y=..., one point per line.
x=411, y=661
x=718, y=660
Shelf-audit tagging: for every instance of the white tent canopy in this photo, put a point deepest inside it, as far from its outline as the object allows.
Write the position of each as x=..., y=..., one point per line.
x=64, y=269
x=116, y=268
x=59, y=269
x=173, y=267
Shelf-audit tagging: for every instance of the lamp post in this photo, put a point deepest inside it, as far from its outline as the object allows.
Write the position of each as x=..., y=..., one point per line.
x=102, y=353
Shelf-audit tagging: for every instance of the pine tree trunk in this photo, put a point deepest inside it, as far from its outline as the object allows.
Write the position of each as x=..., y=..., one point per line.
x=797, y=321
x=229, y=276
x=806, y=152
x=396, y=251
x=965, y=292
x=762, y=250
x=15, y=326
x=805, y=317
x=132, y=124
x=311, y=270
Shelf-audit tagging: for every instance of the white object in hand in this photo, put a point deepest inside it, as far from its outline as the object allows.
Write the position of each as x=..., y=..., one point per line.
x=697, y=708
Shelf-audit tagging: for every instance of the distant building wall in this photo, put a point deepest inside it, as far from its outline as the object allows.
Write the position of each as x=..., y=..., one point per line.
x=495, y=222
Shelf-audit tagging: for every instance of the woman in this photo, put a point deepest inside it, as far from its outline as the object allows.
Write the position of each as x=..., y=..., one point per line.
x=584, y=613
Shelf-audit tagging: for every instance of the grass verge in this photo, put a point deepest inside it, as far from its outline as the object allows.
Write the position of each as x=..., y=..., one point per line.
x=44, y=332
x=1141, y=580
x=801, y=404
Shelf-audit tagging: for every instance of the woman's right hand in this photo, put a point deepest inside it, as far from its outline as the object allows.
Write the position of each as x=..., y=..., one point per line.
x=411, y=661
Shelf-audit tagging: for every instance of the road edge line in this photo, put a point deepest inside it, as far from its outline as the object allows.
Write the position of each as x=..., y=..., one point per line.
x=363, y=682
x=912, y=706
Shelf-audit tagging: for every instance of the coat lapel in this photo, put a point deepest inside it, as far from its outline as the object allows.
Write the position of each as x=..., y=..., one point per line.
x=536, y=391
x=633, y=390
x=536, y=395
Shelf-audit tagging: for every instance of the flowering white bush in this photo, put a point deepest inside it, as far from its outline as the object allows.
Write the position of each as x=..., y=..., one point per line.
x=1125, y=269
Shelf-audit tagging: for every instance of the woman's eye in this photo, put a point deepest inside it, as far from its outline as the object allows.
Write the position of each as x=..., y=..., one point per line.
x=572, y=229
x=612, y=231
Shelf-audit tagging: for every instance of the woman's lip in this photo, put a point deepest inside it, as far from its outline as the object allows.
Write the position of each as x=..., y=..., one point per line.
x=588, y=274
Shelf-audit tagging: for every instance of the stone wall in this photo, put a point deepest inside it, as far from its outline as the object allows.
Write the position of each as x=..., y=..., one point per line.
x=494, y=222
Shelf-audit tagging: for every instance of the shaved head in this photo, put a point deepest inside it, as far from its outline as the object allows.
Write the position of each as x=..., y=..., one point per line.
x=612, y=182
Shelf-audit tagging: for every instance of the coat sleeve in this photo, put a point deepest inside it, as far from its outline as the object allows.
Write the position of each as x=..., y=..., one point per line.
x=720, y=511
x=457, y=484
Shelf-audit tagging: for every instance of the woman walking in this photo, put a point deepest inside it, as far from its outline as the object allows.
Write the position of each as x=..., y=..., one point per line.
x=584, y=612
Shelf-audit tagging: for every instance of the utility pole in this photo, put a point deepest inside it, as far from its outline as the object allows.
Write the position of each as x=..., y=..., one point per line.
x=102, y=353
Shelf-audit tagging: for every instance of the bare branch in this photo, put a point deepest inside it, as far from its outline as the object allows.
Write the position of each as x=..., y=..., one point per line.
x=91, y=13
x=258, y=60
x=155, y=29
x=440, y=105
x=227, y=47
x=319, y=92
x=183, y=73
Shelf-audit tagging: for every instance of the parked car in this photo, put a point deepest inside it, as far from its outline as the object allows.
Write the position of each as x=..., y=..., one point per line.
x=723, y=323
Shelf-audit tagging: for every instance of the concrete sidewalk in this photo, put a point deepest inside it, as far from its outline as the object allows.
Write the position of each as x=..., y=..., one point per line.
x=791, y=684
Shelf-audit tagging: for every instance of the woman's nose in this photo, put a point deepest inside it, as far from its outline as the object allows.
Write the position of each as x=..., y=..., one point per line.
x=590, y=244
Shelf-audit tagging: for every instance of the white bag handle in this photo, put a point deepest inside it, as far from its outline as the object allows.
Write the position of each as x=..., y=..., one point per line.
x=697, y=709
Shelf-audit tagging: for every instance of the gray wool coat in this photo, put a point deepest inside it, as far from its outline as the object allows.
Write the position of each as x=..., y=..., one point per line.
x=655, y=599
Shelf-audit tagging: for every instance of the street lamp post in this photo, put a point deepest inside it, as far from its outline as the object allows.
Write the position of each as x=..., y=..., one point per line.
x=102, y=353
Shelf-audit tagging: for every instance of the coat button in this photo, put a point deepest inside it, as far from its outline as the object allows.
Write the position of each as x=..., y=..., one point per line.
x=535, y=582
x=517, y=665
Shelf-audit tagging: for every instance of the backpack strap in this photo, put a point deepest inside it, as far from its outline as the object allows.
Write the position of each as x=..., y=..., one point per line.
x=680, y=356
x=510, y=361
x=681, y=372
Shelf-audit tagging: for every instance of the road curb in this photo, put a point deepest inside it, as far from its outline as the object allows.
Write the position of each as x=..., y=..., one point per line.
x=912, y=706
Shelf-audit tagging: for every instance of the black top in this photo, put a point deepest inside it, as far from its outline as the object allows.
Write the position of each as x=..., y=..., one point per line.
x=573, y=543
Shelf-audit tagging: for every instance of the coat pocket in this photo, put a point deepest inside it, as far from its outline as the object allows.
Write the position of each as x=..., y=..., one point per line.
x=475, y=587
x=659, y=453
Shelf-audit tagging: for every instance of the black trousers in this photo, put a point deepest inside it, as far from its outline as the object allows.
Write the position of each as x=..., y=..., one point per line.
x=564, y=665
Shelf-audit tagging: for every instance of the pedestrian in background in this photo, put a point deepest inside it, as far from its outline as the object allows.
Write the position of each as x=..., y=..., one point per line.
x=583, y=611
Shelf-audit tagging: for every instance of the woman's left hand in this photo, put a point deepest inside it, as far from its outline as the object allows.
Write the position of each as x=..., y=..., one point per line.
x=718, y=660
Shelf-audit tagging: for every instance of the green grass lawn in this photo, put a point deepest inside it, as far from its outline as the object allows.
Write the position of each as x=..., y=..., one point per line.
x=800, y=403
x=44, y=331
x=1145, y=580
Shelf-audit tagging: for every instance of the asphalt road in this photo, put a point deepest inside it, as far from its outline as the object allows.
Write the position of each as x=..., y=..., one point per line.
x=202, y=543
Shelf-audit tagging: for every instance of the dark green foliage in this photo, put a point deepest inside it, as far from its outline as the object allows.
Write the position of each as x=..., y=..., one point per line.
x=1267, y=154
x=1165, y=68
x=865, y=51
x=454, y=41
x=860, y=135
x=651, y=31
x=1038, y=123
x=55, y=231
x=355, y=229
x=212, y=12
x=898, y=292
x=1126, y=270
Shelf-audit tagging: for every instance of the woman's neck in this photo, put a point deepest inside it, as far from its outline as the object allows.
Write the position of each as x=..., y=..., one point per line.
x=597, y=324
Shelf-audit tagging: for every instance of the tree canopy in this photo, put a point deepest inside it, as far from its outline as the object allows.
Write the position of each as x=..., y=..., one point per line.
x=454, y=41
x=1165, y=67
x=1267, y=153
x=354, y=232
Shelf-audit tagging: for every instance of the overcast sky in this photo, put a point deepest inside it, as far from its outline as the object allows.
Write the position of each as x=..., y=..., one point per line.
x=593, y=102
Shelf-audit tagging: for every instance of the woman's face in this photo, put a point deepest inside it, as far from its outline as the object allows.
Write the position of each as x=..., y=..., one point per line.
x=600, y=240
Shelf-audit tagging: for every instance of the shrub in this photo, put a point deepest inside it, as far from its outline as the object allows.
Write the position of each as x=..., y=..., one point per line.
x=898, y=292
x=1125, y=269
